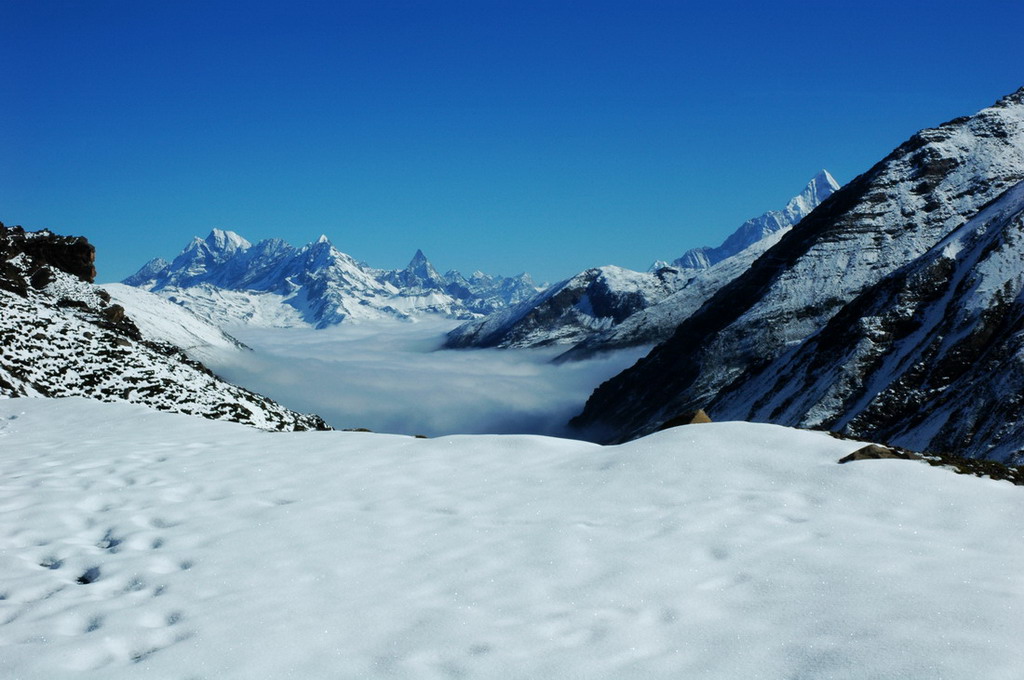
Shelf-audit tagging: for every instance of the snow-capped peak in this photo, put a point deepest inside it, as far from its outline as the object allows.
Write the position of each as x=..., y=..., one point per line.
x=227, y=242
x=817, y=190
x=821, y=186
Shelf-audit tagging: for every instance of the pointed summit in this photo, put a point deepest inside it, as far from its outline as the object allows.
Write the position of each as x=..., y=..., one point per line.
x=418, y=275
x=825, y=177
x=226, y=242
x=821, y=186
x=418, y=259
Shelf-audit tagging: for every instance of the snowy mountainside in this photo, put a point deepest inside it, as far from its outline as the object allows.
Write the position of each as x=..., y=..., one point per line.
x=230, y=281
x=820, y=187
x=163, y=321
x=884, y=219
x=931, y=357
x=62, y=336
x=569, y=311
x=135, y=542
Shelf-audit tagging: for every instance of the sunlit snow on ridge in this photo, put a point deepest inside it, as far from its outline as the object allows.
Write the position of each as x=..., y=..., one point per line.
x=391, y=377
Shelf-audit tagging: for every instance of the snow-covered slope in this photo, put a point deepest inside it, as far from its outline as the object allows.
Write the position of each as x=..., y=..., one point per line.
x=229, y=281
x=570, y=311
x=931, y=357
x=753, y=230
x=62, y=336
x=889, y=216
x=163, y=321
x=137, y=544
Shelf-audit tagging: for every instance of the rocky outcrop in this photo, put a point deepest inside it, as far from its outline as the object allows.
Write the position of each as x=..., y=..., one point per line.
x=40, y=253
x=883, y=220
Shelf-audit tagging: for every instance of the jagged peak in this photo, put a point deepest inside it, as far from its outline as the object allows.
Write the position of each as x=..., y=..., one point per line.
x=825, y=177
x=418, y=259
x=226, y=241
x=323, y=239
x=1015, y=97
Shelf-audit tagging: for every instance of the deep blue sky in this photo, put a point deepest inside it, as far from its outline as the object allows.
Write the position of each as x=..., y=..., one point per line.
x=504, y=136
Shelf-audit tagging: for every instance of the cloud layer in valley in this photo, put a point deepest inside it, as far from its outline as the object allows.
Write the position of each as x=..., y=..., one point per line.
x=390, y=377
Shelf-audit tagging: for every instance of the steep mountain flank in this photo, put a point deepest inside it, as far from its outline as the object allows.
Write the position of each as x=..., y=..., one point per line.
x=894, y=213
x=931, y=357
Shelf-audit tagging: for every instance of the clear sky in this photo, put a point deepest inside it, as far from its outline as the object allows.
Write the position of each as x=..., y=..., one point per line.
x=543, y=136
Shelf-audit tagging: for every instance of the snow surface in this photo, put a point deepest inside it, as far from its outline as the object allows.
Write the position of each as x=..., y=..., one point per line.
x=139, y=544
x=164, y=321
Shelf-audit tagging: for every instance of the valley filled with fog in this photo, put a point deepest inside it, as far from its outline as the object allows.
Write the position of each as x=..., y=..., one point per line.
x=390, y=376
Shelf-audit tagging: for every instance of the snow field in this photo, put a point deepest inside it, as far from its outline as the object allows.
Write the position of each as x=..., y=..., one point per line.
x=142, y=544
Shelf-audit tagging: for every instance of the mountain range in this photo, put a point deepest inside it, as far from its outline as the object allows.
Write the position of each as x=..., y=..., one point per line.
x=230, y=281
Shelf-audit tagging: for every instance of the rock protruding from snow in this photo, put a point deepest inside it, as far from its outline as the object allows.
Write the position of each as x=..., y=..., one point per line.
x=61, y=336
x=231, y=282
x=884, y=219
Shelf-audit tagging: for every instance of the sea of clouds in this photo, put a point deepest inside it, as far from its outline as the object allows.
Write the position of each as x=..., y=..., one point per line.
x=392, y=377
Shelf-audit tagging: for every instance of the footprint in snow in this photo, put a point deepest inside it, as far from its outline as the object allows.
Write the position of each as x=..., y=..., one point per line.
x=90, y=575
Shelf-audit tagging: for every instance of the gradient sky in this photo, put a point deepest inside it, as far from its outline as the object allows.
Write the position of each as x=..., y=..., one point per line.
x=503, y=136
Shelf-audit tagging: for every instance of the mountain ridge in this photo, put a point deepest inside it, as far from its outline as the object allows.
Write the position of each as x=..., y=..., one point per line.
x=633, y=308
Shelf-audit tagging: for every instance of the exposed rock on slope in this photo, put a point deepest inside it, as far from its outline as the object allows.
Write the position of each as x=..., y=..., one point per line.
x=61, y=336
x=163, y=321
x=886, y=218
x=930, y=358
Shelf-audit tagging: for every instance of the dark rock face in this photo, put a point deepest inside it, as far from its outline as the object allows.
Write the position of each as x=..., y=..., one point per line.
x=71, y=254
x=726, y=356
